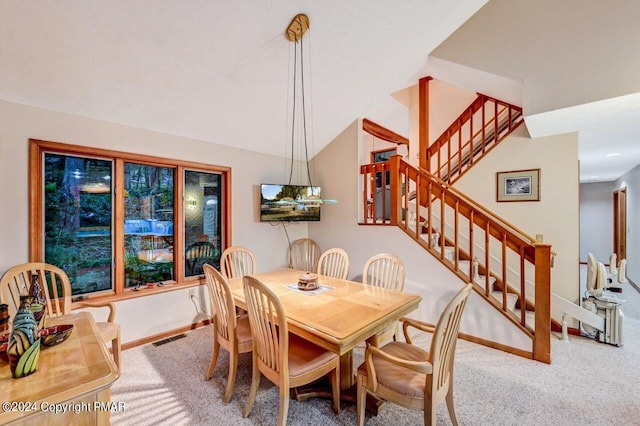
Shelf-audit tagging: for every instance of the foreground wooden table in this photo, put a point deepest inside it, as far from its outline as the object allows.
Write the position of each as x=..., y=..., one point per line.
x=338, y=319
x=74, y=376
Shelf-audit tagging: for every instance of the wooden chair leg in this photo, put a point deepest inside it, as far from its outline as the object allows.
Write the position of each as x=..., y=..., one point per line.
x=429, y=414
x=361, y=400
x=452, y=411
x=255, y=381
x=233, y=368
x=214, y=357
x=284, y=406
x=117, y=350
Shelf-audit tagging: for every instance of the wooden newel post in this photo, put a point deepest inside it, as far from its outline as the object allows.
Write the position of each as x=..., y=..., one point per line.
x=542, y=339
x=394, y=190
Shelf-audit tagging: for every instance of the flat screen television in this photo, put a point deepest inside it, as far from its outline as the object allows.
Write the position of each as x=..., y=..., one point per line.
x=289, y=203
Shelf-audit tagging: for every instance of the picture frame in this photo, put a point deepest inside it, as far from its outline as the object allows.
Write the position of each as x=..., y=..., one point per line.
x=518, y=185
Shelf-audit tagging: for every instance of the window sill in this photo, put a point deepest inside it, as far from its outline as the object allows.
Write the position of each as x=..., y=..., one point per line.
x=143, y=291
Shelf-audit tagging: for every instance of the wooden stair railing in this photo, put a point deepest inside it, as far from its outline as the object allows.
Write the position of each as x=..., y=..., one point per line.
x=478, y=129
x=505, y=253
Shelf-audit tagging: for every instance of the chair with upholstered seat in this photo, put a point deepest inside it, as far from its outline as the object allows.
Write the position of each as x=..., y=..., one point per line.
x=384, y=270
x=237, y=261
x=229, y=331
x=196, y=255
x=57, y=290
x=334, y=263
x=405, y=374
x=284, y=358
x=304, y=254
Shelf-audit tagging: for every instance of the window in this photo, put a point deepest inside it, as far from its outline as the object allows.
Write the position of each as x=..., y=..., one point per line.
x=202, y=221
x=78, y=219
x=148, y=224
x=114, y=221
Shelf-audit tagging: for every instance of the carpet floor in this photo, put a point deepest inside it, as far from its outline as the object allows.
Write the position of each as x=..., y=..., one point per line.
x=587, y=383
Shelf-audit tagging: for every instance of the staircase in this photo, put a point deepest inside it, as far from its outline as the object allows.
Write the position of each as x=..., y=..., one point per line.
x=508, y=268
x=475, y=132
x=507, y=301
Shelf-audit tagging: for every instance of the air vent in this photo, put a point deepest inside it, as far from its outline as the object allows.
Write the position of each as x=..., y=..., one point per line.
x=168, y=339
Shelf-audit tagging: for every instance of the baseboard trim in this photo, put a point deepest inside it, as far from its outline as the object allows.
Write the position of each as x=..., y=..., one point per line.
x=467, y=337
x=495, y=345
x=160, y=336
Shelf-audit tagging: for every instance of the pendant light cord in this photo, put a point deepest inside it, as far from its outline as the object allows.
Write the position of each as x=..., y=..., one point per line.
x=304, y=114
x=293, y=110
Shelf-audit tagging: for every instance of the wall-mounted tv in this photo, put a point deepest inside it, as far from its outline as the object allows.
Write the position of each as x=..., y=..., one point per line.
x=289, y=203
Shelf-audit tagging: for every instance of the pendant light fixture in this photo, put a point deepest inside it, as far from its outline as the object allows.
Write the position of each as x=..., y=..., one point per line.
x=294, y=33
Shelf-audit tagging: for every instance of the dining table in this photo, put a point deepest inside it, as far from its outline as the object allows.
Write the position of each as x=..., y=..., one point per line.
x=338, y=316
x=72, y=383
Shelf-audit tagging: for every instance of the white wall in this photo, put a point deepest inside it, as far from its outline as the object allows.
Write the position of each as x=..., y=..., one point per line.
x=149, y=315
x=446, y=102
x=556, y=215
x=631, y=180
x=596, y=220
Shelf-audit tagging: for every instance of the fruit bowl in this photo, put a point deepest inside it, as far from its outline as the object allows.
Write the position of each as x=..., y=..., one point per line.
x=51, y=336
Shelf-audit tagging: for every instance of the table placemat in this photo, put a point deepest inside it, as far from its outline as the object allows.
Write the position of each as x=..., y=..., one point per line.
x=321, y=289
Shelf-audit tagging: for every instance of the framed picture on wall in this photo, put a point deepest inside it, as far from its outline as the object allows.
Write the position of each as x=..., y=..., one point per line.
x=518, y=185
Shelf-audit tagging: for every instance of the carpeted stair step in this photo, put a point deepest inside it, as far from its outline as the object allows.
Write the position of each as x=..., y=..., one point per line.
x=512, y=299
x=434, y=239
x=530, y=317
x=449, y=253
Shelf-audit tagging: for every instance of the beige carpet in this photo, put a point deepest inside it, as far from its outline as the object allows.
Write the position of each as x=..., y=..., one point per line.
x=588, y=383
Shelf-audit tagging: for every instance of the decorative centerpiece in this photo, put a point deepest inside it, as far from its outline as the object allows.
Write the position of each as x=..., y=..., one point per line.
x=24, y=342
x=37, y=302
x=53, y=335
x=308, y=281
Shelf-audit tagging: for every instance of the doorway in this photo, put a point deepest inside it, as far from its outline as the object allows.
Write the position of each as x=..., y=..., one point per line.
x=620, y=223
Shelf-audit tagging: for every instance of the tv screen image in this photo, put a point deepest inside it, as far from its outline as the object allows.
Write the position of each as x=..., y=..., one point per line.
x=287, y=203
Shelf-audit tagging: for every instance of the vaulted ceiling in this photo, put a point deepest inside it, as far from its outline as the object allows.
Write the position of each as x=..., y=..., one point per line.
x=220, y=71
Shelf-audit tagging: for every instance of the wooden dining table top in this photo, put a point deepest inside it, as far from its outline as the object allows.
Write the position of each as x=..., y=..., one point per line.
x=77, y=366
x=339, y=318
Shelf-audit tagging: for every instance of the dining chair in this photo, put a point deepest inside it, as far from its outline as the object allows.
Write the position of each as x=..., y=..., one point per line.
x=304, y=254
x=334, y=263
x=406, y=374
x=285, y=359
x=230, y=331
x=384, y=270
x=196, y=255
x=57, y=290
x=237, y=261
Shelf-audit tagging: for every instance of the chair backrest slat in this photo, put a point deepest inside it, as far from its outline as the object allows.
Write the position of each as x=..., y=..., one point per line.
x=268, y=326
x=334, y=263
x=384, y=270
x=221, y=300
x=53, y=280
x=304, y=254
x=443, y=343
x=237, y=261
